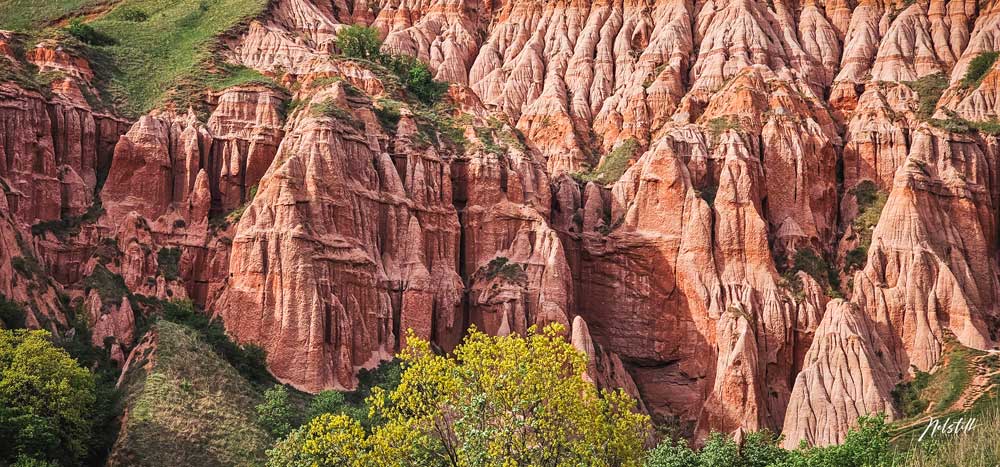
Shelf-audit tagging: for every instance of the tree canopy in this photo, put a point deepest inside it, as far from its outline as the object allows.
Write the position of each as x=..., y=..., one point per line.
x=495, y=401
x=46, y=400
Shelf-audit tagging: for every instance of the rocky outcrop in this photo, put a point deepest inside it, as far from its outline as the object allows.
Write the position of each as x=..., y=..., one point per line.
x=156, y=164
x=340, y=246
x=944, y=196
x=847, y=374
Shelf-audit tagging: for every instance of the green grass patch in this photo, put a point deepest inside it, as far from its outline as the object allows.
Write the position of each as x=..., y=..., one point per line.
x=719, y=125
x=978, y=68
x=437, y=125
x=110, y=286
x=816, y=266
x=612, y=166
x=69, y=226
x=387, y=112
x=952, y=378
x=29, y=15
x=171, y=48
x=247, y=360
x=190, y=408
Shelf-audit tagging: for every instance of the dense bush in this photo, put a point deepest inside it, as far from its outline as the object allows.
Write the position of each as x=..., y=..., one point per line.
x=416, y=76
x=867, y=445
x=12, y=314
x=46, y=400
x=496, y=401
x=87, y=34
x=613, y=165
x=359, y=42
x=276, y=414
x=906, y=395
x=929, y=89
x=363, y=43
x=168, y=263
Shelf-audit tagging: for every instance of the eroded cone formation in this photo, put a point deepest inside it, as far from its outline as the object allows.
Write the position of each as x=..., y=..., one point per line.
x=770, y=155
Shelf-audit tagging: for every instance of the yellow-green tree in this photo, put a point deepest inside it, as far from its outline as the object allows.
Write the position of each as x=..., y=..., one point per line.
x=495, y=402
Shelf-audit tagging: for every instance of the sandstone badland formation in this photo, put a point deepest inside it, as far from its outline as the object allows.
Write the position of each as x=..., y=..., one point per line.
x=806, y=209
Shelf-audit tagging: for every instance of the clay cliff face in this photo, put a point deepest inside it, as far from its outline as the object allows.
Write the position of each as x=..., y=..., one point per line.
x=747, y=214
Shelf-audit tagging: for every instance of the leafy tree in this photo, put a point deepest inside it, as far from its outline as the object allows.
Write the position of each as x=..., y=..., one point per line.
x=761, y=449
x=363, y=42
x=720, y=450
x=497, y=401
x=672, y=453
x=417, y=77
x=275, y=414
x=359, y=42
x=46, y=400
x=326, y=402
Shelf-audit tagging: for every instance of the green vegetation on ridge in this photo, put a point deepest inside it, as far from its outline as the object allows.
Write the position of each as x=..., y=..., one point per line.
x=612, y=166
x=978, y=67
x=143, y=49
x=362, y=43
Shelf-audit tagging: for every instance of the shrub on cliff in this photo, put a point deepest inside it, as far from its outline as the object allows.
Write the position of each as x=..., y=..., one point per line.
x=361, y=42
x=495, y=401
x=357, y=41
x=978, y=68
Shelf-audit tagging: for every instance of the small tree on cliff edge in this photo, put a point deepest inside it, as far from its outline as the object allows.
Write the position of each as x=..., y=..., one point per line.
x=359, y=42
x=497, y=401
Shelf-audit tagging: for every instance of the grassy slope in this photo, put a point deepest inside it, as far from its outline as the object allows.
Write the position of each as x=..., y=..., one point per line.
x=171, y=45
x=946, y=385
x=148, y=58
x=24, y=15
x=191, y=409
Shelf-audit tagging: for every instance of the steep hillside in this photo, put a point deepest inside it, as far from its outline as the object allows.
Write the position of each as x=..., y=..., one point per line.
x=184, y=405
x=750, y=214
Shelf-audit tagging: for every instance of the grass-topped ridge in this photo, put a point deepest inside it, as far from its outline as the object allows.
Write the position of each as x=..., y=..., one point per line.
x=143, y=51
